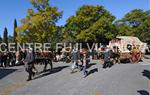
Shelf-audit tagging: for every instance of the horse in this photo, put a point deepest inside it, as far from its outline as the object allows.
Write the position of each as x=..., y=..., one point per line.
x=45, y=58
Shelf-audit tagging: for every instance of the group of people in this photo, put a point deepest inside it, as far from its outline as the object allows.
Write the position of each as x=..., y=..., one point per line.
x=7, y=59
x=25, y=57
x=79, y=59
x=111, y=57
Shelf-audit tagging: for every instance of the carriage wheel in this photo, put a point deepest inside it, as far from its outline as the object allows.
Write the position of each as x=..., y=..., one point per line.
x=135, y=59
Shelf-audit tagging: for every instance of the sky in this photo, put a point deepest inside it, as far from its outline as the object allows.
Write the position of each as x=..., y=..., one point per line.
x=11, y=9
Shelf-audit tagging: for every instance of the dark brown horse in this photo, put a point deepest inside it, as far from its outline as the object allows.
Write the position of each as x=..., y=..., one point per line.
x=45, y=58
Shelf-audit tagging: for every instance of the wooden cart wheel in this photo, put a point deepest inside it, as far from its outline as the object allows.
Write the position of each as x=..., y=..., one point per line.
x=135, y=58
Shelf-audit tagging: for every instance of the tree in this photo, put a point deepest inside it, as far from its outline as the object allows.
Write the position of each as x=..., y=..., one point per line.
x=144, y=30
x=15, y=33
x=124, y=30
x=5, y=37
x=10, y=39
x=135, y=23
x=91, y=23
x=1, y=40
x=40, y=24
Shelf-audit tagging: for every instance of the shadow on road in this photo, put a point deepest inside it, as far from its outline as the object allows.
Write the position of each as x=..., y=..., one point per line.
x=146, y=73
x=147, y=57
x=92, y=71
x=143, y=92
x=5, y=72
x=49, y=71
x=90, y=65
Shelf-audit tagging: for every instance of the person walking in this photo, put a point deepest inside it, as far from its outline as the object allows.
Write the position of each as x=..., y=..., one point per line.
x=29, y=64
x=1, y=61
x=116, y=55
x=5, y=56
x=107, y=58
x=85, y=63
x=75, y=58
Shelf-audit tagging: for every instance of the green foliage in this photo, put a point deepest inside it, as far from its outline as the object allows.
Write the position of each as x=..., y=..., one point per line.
x=5, y=36
x=15, y=33
x=134, y=17
x=91, y=23
x=144, y=30
x=1, y=40
x=135, y=23
x=39, y=24
x=10, y=39
x=124, y=30
x=101, y=29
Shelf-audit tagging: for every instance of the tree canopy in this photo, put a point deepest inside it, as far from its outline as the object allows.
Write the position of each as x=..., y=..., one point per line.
x=5, y=36
x=136, y=23
x=15, y=33
x=91, y=23
x=1, y=40
x=40, y=23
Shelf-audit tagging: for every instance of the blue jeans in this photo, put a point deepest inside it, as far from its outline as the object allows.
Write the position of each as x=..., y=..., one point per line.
x=74, y=65
x=84, y=69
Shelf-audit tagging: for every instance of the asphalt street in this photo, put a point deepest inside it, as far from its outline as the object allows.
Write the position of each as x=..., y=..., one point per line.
x=120, y=79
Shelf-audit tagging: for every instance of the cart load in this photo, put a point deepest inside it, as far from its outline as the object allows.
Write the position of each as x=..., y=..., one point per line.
x=128, y=44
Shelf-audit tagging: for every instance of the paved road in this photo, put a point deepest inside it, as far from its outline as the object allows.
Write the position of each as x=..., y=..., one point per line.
x=121, y=79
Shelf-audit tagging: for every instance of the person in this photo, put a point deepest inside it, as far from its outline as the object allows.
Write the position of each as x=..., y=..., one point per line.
x=5, y=56
x=116, y=55
x=107, y=58
x=10, y=59
x=75, y=58
x=28, y=61
x=1, y=62
x=85, y=62
x=18, y=57
x=13, y=59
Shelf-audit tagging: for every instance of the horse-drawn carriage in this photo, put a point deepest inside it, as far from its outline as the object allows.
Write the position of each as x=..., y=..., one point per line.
x=131, y=48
